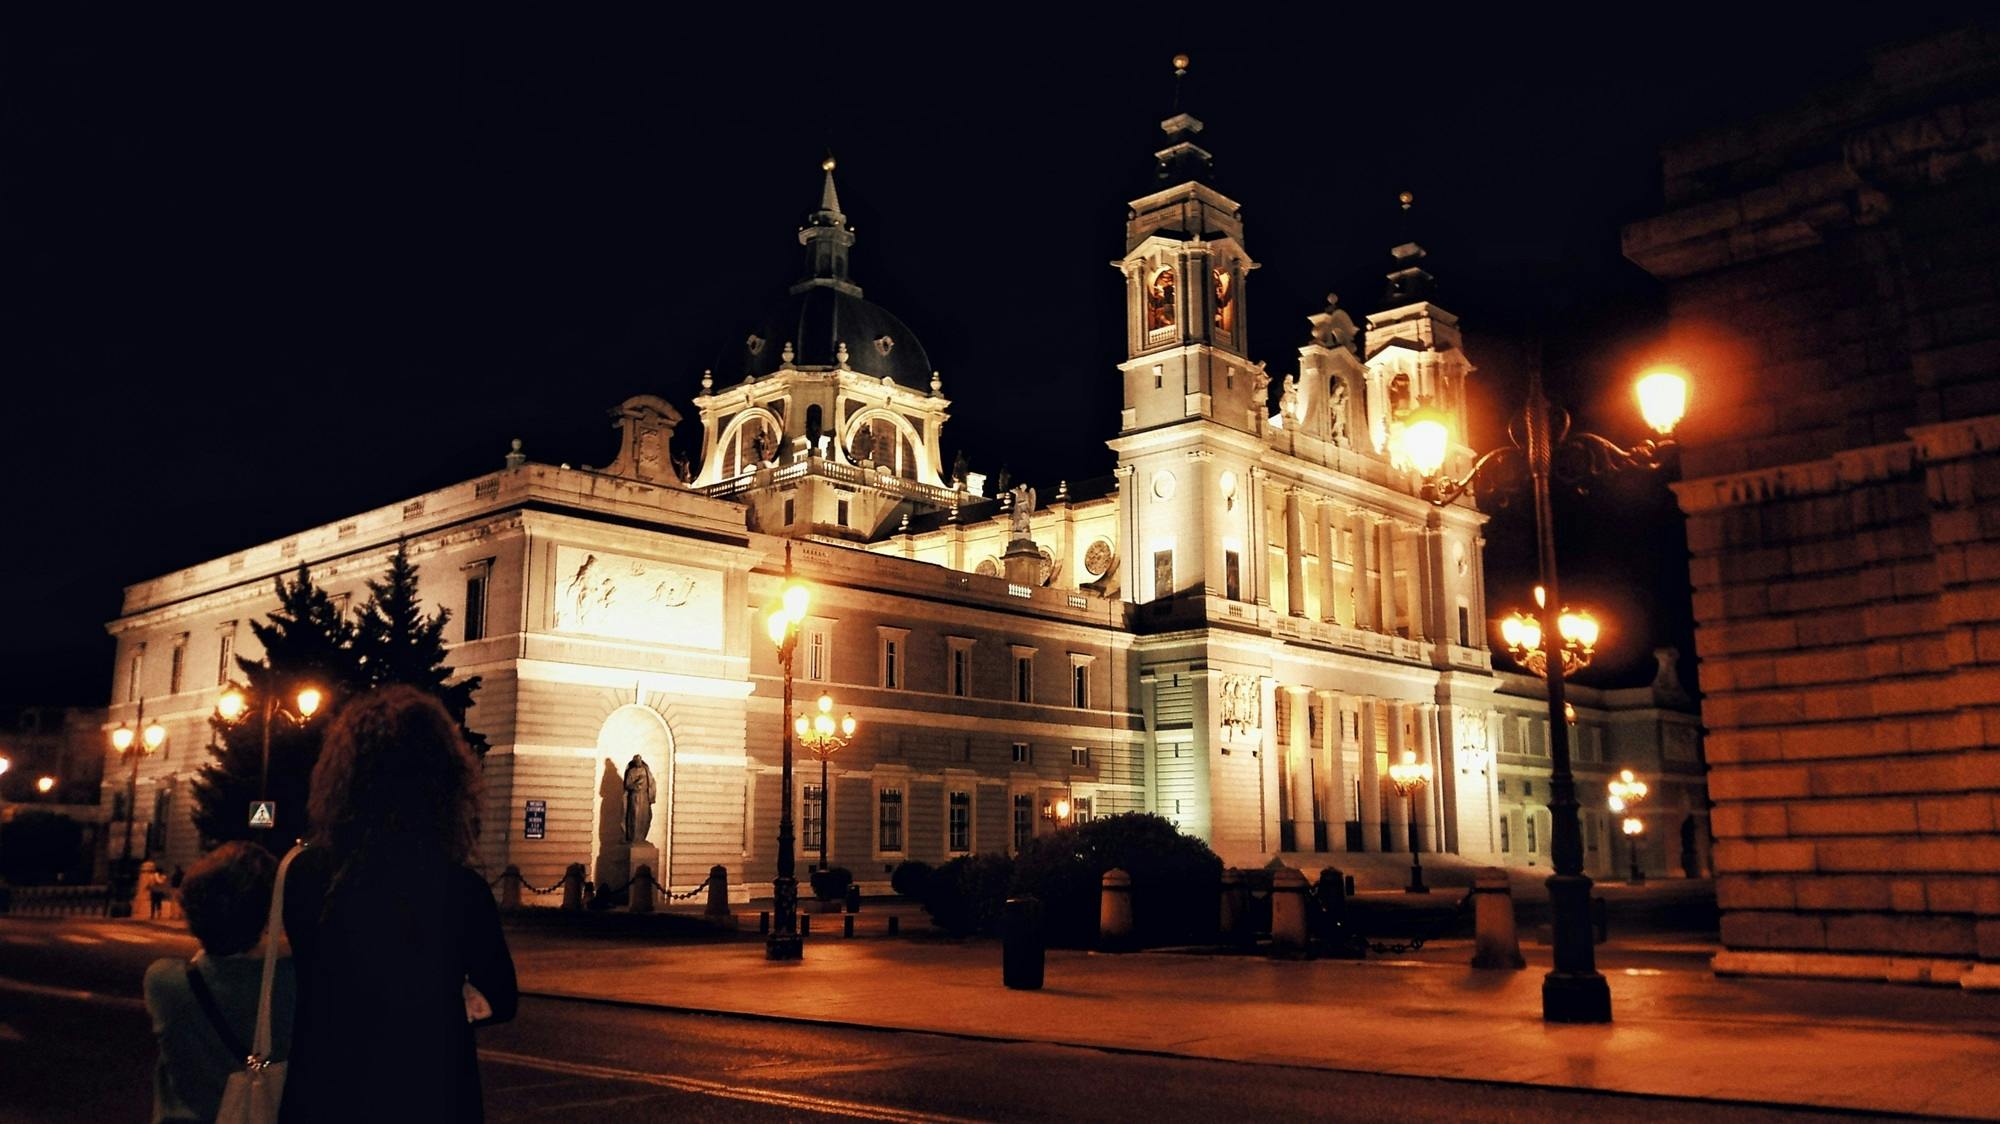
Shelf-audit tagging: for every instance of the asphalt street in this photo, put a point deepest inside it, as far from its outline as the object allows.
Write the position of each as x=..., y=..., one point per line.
x=75, y=1044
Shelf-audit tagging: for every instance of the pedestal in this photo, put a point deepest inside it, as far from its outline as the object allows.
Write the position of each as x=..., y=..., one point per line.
x=612, y=867
x=636, y=856
x=1022, y=563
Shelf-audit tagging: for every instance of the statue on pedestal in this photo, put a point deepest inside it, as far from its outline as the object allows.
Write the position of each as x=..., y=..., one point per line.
x=639, y=795
x=1024, y=508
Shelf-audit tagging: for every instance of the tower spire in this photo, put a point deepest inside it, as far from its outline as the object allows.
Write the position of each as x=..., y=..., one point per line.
x=827, y=238
x=1182, y=160
x=1409, y=281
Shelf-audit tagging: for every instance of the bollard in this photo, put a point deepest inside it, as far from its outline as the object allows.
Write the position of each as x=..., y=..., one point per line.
x=1288, y=910
x=847, y=926
x=1349, y=883
x=1022, y=947
x=573, y=887
x=764, y=921
x=853, y=898
x=1496, y=942
x=895, y=925
x=805, y=924
x=639, y=898
x=1333, y=893
x=718, y=897
x=510, y=887
x=1114, y=910
x=1599, y=920
x=1232, y=921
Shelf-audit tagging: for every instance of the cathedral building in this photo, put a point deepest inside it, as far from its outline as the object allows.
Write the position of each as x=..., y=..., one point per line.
x=1239, y=629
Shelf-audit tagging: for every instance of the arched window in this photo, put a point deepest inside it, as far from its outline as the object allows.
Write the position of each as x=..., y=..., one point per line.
x=886, y=444
x=750, y=445
x=1160, y=300
x=812, y=426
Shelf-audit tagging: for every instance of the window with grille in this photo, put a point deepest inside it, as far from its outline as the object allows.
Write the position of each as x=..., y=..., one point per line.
x=812, y=817
x=1024, y=820
x=961, y=672
x=961, y=822
x=889, y=804
x=1079, y=809
x=226, y=655
x=177, y=663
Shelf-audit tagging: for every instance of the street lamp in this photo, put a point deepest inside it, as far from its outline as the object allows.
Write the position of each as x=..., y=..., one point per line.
x=823, y=738
x=233, y=705
x=1541, y=441
x=1523, y=634
x=1626, y=792
x=137, y=740
x=1409, y=776
x=782, y=622
x=45, y=784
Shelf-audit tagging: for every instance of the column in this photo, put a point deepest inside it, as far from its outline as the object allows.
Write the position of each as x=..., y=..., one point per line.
x=1257, y=552
x=1332, y=772
x=1299, y=759
x=1328, y=607
x=1385, y=584
x=1295, y=554
x=1397, y=813
x=1371, y=777
x=1423, y=715
x=1364, y=597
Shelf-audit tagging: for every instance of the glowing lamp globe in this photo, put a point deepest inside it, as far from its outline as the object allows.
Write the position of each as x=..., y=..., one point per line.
x=847, y=726
x=777, y=625
x=5, y=765
x=309, y=700
x=1662, y=399
x=797, y=599
x=1579, y=630
x=121, y=739
x=800, y=726
x=1522, y=632
x=45, y=785
x=1426, y=439
x=1062, y=809
x=1634, y=825
x=155, y=736
x=231, y=705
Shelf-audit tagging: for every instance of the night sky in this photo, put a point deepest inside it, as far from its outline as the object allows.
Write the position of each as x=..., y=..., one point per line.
x=256, y=279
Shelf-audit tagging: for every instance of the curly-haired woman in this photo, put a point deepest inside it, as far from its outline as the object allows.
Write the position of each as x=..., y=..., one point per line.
x=388, y=924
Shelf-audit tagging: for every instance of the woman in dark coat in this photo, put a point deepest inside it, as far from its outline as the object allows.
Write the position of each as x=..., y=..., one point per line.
x=387, y=924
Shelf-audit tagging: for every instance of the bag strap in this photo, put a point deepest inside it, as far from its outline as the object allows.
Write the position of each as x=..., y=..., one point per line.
x=209, y=1007
x=260, y=1047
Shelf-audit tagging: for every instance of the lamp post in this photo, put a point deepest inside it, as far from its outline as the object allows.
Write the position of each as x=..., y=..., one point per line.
x=233, y=705
x=1541, y=441
x=137, y=740
x=782, y=623
x=823, y=738
x=1626, y=792
x=1409, y=776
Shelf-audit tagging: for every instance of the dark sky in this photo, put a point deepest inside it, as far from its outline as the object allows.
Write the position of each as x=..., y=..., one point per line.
x=255, y=279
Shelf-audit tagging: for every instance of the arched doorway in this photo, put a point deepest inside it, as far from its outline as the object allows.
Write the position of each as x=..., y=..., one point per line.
x=631, y=732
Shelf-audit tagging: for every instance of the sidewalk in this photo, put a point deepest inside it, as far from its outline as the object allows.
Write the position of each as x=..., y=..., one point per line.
x=1680, y=1031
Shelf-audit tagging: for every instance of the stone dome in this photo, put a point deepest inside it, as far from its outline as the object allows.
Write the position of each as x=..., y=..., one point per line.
x=815, y=318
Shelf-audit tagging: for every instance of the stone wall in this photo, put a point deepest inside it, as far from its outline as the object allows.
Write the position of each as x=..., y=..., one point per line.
x=1833, y=273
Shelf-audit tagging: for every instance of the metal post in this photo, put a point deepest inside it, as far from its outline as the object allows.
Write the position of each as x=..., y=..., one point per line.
x=1573, y=991
x=784, y=942
x=1638, y=876
x=264, y=778
x=825, y=806
x=1416, y=885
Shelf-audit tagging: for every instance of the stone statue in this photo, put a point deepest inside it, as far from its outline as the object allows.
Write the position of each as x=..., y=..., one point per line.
x=1336, y=405
x=959, y=467
x=760, y=446
x=1024, y=509
x=639, y=795
x=1288, y=399
x=863, y=446
x=1002, y=483
x=1260, y=387
x=683, y=467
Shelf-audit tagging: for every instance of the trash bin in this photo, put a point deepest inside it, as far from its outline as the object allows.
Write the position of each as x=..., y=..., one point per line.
x=1021, y=950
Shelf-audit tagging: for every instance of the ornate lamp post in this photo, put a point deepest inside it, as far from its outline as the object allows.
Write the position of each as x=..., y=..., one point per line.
x=137, y=740
x=1541, y=442
x=782, y=622
x=1578, y=630
x=233, y=705
x=823, y=738
x=1625, y=792
x=1409, y=776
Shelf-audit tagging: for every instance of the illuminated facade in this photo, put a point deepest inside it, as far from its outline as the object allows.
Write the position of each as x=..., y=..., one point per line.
x=1239, y=629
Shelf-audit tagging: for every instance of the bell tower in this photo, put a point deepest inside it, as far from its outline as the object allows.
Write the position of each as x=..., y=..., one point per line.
x=1185, y=268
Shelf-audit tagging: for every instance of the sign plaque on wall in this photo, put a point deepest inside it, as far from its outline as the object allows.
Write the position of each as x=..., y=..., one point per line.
x=535, y=822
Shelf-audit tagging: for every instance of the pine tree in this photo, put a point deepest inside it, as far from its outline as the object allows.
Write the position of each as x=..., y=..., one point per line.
x=394, y=642
x=307, y=641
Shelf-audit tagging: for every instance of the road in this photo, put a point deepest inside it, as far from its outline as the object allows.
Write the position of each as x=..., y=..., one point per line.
x=75, y=1044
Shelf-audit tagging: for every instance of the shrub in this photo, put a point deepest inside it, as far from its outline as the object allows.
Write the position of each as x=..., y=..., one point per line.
x=967, y=895
x=831, y=884
x=1175, y=878
x=910, y=879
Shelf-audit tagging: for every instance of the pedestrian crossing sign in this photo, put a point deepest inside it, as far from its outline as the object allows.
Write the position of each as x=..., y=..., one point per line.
x=263, y=813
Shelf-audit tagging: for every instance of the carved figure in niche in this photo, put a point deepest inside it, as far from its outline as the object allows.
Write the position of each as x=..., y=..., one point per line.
x=1399, y=395
x=1336, y=405
x=1240, y=704
x=1289, y=402
x=1024, y=509
x=1225, y=300
x=863, y=446
x=760, y=446
x=639, y=795
x=1260, y=387
x=959, y=466
x=1160, y=300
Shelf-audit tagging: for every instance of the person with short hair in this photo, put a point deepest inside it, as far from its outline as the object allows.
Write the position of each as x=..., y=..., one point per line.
x=389, y=925
x=205, y=1009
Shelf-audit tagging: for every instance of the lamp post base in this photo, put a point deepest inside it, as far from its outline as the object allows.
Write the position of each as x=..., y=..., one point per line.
x=1416, y=885
x=1569, y=997
x=784, y=943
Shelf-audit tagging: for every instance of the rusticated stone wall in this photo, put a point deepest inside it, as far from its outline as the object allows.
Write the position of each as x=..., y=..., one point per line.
x=1834, y=273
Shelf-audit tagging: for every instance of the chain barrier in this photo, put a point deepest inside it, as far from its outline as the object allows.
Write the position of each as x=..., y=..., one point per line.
x=526, y=885
x=663, y=892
